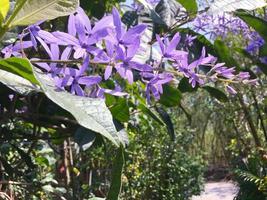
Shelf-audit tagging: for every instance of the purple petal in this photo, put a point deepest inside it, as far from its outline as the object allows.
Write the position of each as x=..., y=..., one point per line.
x=133, y=33
x=66, y=39
x=117, y=22
x=173, y=44
x=85, y=65
x=84, y=19
x=231, y=90
x=66, y=53
x=89, y=80
x=22, y=45
x=108, y=72
x=140, y=67
x=79, y=52
x=103, y=23
x=45, y=46
x=129, y=76
x=48, y=37
x=78, y=90
x=161, y=45
x=71, y=25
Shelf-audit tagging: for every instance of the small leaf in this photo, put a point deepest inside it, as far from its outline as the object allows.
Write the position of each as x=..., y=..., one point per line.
x=224, y=54
x=190, y=5
x=19, y=66
x=34, y=11
x=149, y=112
x=167, y=120
x=4, y=8
x=216, y=93
x=116, y=176
x=120, y=110
x=171, y=96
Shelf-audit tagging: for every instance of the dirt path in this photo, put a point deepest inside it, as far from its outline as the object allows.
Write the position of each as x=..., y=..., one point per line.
x=218, y=191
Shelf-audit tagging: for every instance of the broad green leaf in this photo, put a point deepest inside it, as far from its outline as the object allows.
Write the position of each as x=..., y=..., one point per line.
x=90, y=113
x=17, y=83
x=120, y=110
x=19, y=66
x=216, y=93
x=224, y=55
x=190, y=5
x=4, y=7
x=257, y=23
x=116, y=176
x=220, y=6
x=171, y=96
x=35, y=10
x=149, y=112
x=167, y=120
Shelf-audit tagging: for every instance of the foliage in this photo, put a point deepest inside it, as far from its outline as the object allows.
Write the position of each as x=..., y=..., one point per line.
x=66, y=94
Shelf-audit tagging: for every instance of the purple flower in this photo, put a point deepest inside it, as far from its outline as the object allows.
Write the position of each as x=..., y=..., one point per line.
x=189, y=40
x=168, y=48
x=15, y=49
x=123, y=37
x=80, y=25
x=155, y=83
x=36, y=34
x=74, y=78
x=124, y=64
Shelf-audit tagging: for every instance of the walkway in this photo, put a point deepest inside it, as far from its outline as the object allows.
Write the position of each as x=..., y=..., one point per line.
x=218, y=191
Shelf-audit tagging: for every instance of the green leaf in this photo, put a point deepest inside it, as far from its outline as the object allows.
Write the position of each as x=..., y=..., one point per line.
x=167, y=120
x=260, y=25
x=4, y=7
x=190, y=5
x=90, y=113
x=34, y=11
x=19, y=66
x=171, y=96
x=120, y=110
x=224, y=54
x=216, y=93
x=149, y=112
x=116, y=176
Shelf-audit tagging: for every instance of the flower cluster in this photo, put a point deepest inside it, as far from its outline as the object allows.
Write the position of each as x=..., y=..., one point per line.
x=87, y=56
x=215, y=26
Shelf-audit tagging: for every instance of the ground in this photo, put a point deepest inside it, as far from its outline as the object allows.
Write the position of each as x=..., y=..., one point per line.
x=218, y=191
